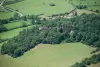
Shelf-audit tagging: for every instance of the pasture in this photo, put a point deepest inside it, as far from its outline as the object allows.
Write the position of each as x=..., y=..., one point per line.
x=40, y=7
x=46, y=55
x=12, y=33
x=79, y=12
x=16, y=24
x=4, y=15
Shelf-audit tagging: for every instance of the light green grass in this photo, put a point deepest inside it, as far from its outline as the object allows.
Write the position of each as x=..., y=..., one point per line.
x=16, y=24
x=37, y=7
x=46, y=55
x=79, y=12
x=12, y=33
x=7, y=14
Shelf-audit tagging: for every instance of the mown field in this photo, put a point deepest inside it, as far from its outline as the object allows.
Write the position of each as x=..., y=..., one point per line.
x=12, y=33
x=40, y=7
x=46, y=55
x=16, y=24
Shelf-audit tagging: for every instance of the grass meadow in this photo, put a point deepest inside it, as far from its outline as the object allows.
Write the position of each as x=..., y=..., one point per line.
x=39, y=7
x=46, y=55
x=16, y=24
x=12, y=33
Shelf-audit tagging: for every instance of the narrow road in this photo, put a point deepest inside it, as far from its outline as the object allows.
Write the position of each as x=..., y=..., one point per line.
x=10, y=9
x=2, y=2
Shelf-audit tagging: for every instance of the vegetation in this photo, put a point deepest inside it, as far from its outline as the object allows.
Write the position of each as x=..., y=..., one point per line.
x=79, y=29
x=88, y=61
x=41, y=5
x=22, y=31
x=93, y=5
x=48, y=55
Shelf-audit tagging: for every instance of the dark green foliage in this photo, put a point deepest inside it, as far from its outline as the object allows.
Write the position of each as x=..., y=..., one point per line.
x=52, y=4
x=88, y=61
x=79, y=65
x=4, y=21
x=2, y=28
x=84, y=28
x=81, y=6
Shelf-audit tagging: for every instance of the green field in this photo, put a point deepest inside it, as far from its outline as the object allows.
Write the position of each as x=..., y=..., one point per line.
x=90, y=3
x=40, y=7
x=7, y=14
x=79, y=12
x=29, y=7
x=16, y=24
x=46, y=55
x=12, y=33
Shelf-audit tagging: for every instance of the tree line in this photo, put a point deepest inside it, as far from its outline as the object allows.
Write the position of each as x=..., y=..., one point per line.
x=84, y=28
x=88, y=61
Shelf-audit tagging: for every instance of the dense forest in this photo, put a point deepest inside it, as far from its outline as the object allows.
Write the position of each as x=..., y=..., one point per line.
x=84, y=28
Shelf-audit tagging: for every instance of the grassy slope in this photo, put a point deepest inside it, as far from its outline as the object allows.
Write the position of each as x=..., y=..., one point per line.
x=4, y=15
x=79, y=12
x=46, y=55
x=12, y=33
x=16, y=24
x=37, y=7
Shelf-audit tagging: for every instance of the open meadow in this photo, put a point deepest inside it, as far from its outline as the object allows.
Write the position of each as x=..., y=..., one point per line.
x=12, y=33
x=46, y=55
x=37, y=7
x=16, y=24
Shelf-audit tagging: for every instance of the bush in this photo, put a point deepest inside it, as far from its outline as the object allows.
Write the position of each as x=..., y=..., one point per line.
x=52, y=4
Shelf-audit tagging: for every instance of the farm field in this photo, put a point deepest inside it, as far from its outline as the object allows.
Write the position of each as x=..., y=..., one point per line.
x=42, y=7
x=79, y=12
x=12, y=33
x=4, y=15
x=46, y=55
x=16, y=24
x=37, y=7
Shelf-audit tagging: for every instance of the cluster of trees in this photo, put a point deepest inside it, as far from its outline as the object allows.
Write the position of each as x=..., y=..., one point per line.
x=2, y=28
x=97, y=11
x=87, y=30
x=84, y=28
x=52, y=4
x=61, y=14
x=88, y=61
x=81, y=6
